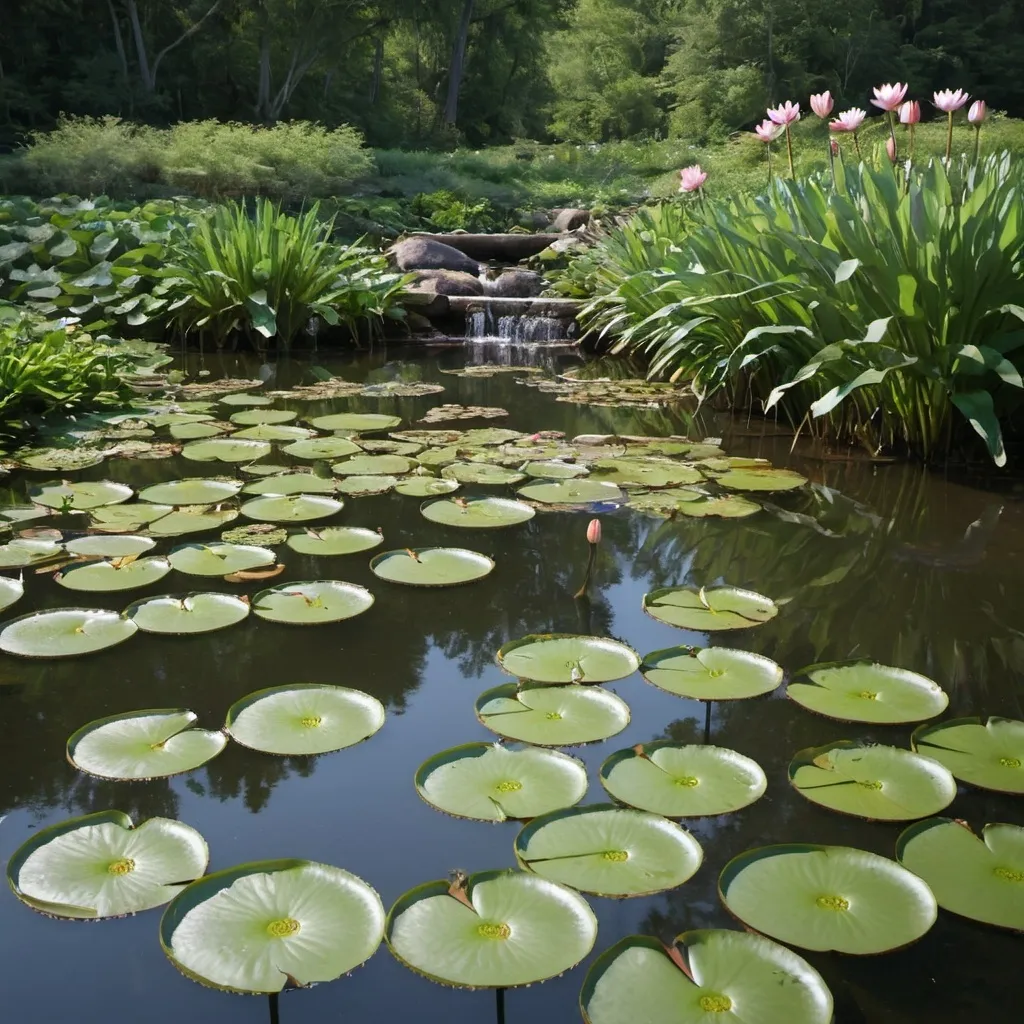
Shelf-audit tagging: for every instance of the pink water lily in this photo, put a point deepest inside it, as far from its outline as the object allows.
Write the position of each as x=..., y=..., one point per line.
x=785, y=114
x=768, y=131
x=977, y=112
x=821, y=103
x=849, y=120
x=910, y=112
x=890, y=149
x=691, y=179
x=948, y=100
x=889, y=96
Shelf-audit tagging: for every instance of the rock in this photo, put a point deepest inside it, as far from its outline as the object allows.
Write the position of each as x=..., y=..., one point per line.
x=448, y=282
x=569, y=219
x=515, y=284
x=418, y=253
x=535, y=220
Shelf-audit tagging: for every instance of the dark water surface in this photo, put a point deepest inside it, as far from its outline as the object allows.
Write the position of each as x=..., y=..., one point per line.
x=886, y=562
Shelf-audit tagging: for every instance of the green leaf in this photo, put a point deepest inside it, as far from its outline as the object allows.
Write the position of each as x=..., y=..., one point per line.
x=181, y=614
x=711, y=673
x=312, y=602
x=846, y=270
x=477, y=513
x=985, y=752
x=431, y=567
x=558, y=658
x=710, y=608
x=64, y=632
x=978, y=408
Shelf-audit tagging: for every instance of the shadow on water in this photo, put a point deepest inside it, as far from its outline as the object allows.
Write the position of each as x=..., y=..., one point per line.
x=880, y=561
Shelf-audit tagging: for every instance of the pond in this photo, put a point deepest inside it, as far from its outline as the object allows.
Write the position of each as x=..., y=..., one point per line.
x=886, y=562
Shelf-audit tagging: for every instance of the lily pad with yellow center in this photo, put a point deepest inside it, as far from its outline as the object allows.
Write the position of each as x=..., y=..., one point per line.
x=65, y=632
x=707, y=609
x=311, y=602
x=984, y=752
x=711, y=673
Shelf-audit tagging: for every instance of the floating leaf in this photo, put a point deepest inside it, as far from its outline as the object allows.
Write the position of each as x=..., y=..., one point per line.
x=188, y=613
x=110, y=546
x=435, y=458
x=248, y=575
x=976, y=877
x=218, y=558
x=724, y=972
x=22, y=552
x=864, y=691
x=10, y=592
x=197, y=431
x=552, y=716
x=431, y=567
x=256, y=416
x=312, y=602
x=709, y=608
x=317, y=448
x=114, y=575
x=491, y=782
x=649, y=472
x=361, y=486
x=374, y=465
x=985, y=752
x=226, y=449
x=827, y=898
x=335, y=540
x=100, y=865
x=722, y=506
x=267, y=469
x=480, y=473
x=119, y=518
x=260, y=926
x=64, y=632
x=444, y=413
x=291, y=508
x=243, y=399
x=711, y=673
x=255, y=533
x=400, y=389
x=760, y=480
x=477, y=513
x=608, y=850
x=60, y=459
x=572, y=492
x=192, y=491
x=433, y=437
x=149, y=744
x=292, y=483
x=547, y=469
x=22, y=513
x=191, y=519
x=568, y=658
x=275, y=432
x=498, y=929
x=87, y=495
x=683, y=780
x=371, y=422
x=425, y=486
x=379, y=447
x=304, y=718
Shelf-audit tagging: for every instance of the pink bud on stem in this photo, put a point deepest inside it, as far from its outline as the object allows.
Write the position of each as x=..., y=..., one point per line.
x=593, y=539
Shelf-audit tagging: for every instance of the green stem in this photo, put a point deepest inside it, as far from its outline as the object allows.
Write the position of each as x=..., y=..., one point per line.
x=831, y=159
x=949, y=136
x=892, y=134
x=789, y=150
x=769, y=148
x=582, y=592
x=977, y=142
x=856, y=145
x=911, y=142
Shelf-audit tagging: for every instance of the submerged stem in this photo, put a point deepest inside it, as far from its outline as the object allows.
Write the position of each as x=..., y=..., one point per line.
x=499, y=1005
x=582, y=592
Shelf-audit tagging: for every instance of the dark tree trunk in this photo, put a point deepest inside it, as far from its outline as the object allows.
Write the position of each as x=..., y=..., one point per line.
x=451, y=107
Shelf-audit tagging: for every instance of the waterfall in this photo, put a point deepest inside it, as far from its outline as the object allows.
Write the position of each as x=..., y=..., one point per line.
x=514, y=328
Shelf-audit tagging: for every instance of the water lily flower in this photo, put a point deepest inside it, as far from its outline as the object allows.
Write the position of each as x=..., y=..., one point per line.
x=910, y=112
x=821, y=103
x=594, y=531
x=890, y=149
x=849, y=120
x=593, y=539
x=889, y=96
x=785, y=114
x=949, y=100
x=977, y=112
x=768, y=131
x=691, y=179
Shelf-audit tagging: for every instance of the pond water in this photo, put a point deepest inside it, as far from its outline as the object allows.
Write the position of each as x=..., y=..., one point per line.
x=887, y=562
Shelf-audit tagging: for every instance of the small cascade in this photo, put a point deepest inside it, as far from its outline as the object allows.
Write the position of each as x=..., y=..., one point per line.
x=515, y=328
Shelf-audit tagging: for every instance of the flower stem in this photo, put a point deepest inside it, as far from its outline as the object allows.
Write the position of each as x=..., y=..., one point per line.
x=856, y=144
x=582, y=592
x=949, y=136
x=892, y=134
x=789, y=149
x=831, y=160
x=977, y=142
x=911, y=142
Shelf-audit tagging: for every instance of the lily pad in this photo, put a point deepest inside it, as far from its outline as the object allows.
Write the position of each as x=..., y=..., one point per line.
x=401, y=389
x=256, y=416
x=100, y=865
x=608, y=850
x=275, y=432
x=311, y=602
x=64, y=632
x=317, y=448
x=649, y=473
x=976, y=877
x=435, y=458
x=260, y=926
x=267, y=469
x=683, y=780
x=255, y=533
x=22, y=513
x=491, y=782
x=828, y=898
x=431, y=437
x=362, y=486
x=218, y=558
x=872, y=781
x=572, y=492
x=65, y=460
x=425, y=486
x=246, y=400
x=335, y=540
x=711, y=673
x=481, y=473
x=708, y=971
x=292, y=483
x=149, y=744
x=226, y=449
x=180, y=614
x=87, y=495
x=303, y=719
x=197, y=431
x=25, y=551
x=113, y=575
x=863, y=691
x=568, y=658
x=719, y=506
x=126, y=518
x=382, y=447
x=371, y=422
x=709, y=608
x=110, y=546
x=552, y=716
x=445, y=413
x=548, y=469
x=192, y=491
x=760, y=480
x=494, y=929
x=374, y=465
x=191, y=519
x=985, y=752
x=291, y=508
x=431, y=567
x=10, y=592
x=477, y=513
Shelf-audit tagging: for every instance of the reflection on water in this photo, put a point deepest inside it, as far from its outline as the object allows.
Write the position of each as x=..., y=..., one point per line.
x=877, y=561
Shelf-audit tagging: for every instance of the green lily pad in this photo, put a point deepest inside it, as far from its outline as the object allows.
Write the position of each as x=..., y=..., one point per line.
x=649, y=473
x=477, y=513
x=292, y=483
x=548, y=469
x=490, y=436
x=246, y=400
x=381, y=447
x=335, y=540
x=167, y=419
x=491, y=782
x=197, y=431
x=218, y=558
x=760, y=480
x=126, y=518
x=552, y=716
x=683, y=780
x=711, y=673
x=985, y=752
x=100, y=865
x=149, y=744
x=226, y=449
x=361, y=486
x=25, y=551
x=709, y=608
x=87, y=495
x=719, y=506
x=710, y=971
x=180, y=614
x=664, y=503
x=267, y=469
x=260, y=534
x=431, y=567
x=191, y=519
x=275, y=432
x=291, y=508
x=401, y=389
x=568, y=658
x=608, y=850
x=110, y=546
x=872, y=781
x=255, y=417
x=435, y=458
x=863, y=691
x=303, y=719
x=64, y=632
x=10, y=592
x=572, y=492
x=319, y=448
x=65, y=460
x=481, y=473
x=371, y=422
x=260, y=926
x=192, y=491
x=976, y=877
x=827, y=898
x=429, y=437
x=426, y=486
x=22, y=513
x=311, y=602
x=114, y=575
x=374, y=465
x=494, y=929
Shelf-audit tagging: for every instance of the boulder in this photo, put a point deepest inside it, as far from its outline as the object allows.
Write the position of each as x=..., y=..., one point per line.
x=569, y=219
x=419, y=253
x=448, y=282
x=515, y=284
